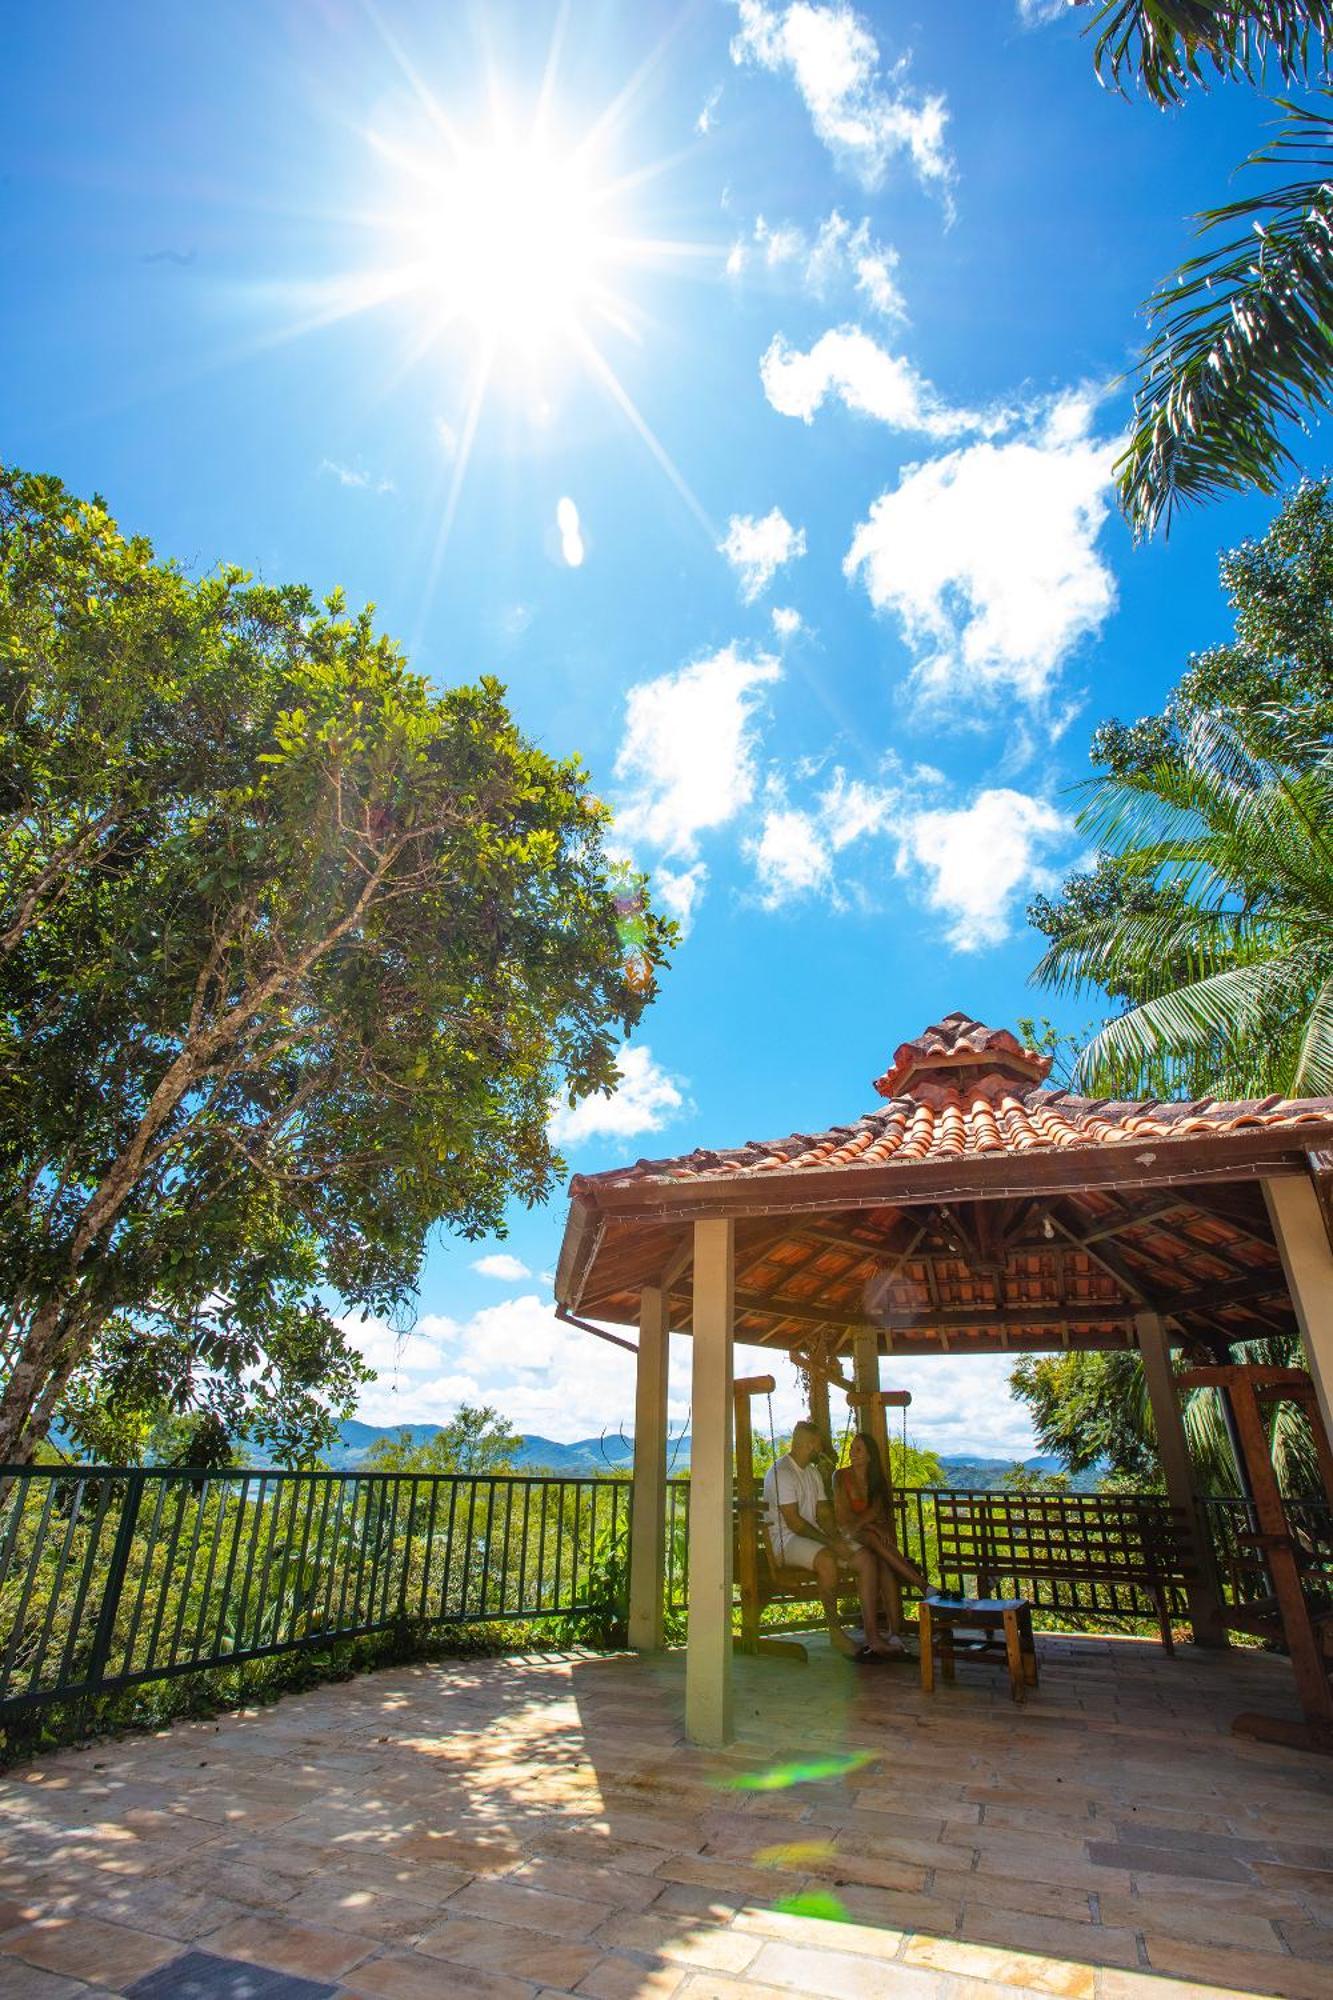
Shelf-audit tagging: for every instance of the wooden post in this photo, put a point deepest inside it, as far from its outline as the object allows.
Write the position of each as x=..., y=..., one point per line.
x=647, y=1574
x=820, y=1415
x=1307, y=1261
x=1203, y=1590
x=708, y=1653
x=870, y=1417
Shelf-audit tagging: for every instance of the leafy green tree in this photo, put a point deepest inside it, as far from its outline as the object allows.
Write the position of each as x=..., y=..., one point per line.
x=1209, y=913
x=476, y=1439
x=1091, y=1409
x=1238, y=344
x=296, y=950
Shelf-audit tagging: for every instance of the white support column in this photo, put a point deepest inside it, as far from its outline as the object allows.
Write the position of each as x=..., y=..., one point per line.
x=708, y=1656
x=1205, y=1597
x=648, y=1514
x=1307, y=1261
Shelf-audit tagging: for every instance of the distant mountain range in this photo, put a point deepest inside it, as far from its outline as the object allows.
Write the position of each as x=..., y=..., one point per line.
x=586, y=1457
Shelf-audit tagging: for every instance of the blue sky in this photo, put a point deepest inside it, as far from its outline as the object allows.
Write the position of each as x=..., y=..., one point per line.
x=763, y=453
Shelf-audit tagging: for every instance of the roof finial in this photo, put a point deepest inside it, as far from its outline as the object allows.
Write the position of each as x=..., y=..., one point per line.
x=960, y=1043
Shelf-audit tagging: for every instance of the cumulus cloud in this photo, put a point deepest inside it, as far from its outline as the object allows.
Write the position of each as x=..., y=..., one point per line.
x=837, y=257
x=687, y=758
x=848, y=363
x=988, y=556
x=757, y=549
x=787, y=622
x=500, y=1264
x=791, y=857
x=570, y=532
x=1034, y=13
x=865, y=115
x=645, y=1099
x=546, y=1378
x=677, y=891
x=795, y=849
x=707, y=118
x=975, y=860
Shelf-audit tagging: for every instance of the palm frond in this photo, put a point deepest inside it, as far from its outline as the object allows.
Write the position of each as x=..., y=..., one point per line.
x=1229, y=1010
x=1244, y=340
x=1166, y=45
x=1313, y=1075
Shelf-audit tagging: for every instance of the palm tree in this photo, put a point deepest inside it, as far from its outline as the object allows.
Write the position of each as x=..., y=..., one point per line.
x=1227, y=955
x=1243, y=344
x=1242, y=333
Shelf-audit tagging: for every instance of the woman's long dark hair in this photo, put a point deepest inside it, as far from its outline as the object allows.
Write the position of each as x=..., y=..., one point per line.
x=877, y=1485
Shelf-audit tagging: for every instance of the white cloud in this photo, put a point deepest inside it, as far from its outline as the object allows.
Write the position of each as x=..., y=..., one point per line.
x=687, y=758
x=678, y=891
x=795, y=851
x=864, y=116
x=707, y=118
x=571, y=533
x=839, y=256
x=546, y=1378
x=787, y=622
x=988, y=556
x=351, y=475
x=1034, y=13
x=645, y=1099
x=758, y=549
x=976, y=860
x=848, y=363
x=500, y=1264
x=791, y=857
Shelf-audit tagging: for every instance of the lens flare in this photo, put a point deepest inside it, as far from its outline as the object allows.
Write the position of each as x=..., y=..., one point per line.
x=815, y=1772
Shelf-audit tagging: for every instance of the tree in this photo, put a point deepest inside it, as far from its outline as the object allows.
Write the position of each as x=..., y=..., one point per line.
x=1209, y=913
x=476, y=1440
x=1239, y=341
x=296, y=950
x=1093, y=1409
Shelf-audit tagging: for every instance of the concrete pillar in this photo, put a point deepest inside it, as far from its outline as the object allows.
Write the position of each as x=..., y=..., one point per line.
x=1204, y=1593
x=1307, y=1261
x=648, y=1508
x=708, y=1655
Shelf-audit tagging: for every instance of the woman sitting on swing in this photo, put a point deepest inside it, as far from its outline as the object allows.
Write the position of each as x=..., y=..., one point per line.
x=862, y=1505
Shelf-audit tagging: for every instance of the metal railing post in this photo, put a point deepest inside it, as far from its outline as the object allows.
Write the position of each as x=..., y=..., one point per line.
x=115, y=1581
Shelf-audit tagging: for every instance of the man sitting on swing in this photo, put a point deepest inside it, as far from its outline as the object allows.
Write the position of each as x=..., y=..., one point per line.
x=803, y=1534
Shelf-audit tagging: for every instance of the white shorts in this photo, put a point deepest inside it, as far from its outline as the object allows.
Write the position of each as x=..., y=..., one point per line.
x=797, y=1552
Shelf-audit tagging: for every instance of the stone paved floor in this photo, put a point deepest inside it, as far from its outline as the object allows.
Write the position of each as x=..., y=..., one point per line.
x=515, y=1828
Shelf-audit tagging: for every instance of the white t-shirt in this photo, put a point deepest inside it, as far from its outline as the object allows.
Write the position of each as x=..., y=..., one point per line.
x=787, y=1484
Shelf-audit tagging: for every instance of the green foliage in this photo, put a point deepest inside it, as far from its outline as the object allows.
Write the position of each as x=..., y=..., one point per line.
x=1031, y=1479
x=1239, y=344
x=294, y=950
x=1209, y=913
x=475, y=1440
x=1164, y=46
x=1092, y=1409
x=1239, y=347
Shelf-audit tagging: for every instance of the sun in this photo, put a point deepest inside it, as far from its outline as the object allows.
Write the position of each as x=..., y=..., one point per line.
x=511, y=242
x=513, y=239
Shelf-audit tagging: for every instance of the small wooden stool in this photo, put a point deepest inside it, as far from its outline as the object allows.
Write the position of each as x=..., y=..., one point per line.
x=1011, y=1617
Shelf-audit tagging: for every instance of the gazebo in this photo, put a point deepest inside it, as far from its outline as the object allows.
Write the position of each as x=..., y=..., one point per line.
x=975, y=1212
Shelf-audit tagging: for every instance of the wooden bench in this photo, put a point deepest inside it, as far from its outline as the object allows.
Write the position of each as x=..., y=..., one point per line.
x=1014, y=1541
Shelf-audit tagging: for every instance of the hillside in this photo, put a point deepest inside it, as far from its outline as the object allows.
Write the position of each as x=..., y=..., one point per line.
x=587, y=1457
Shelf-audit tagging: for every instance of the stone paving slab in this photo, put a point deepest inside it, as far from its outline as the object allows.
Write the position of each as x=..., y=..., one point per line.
x=513, y=1829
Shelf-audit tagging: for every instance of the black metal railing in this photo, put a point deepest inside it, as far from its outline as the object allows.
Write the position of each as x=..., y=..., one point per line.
x=112, y=1576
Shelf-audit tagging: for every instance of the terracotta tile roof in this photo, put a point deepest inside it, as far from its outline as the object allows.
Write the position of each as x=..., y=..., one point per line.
x=962, y=1090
